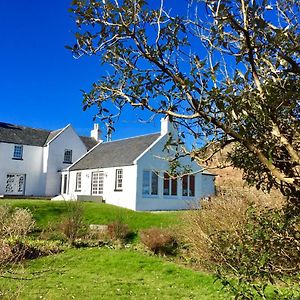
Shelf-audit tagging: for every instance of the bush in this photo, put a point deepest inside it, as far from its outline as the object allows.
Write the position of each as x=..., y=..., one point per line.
x=16, y=249
x=160, y=241
x=245, y=236
x=73, y=225
x=118, y=231
x=15, y=222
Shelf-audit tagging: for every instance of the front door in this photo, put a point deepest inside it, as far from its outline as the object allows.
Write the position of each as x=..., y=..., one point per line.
x=15, y=184
x=97, y=183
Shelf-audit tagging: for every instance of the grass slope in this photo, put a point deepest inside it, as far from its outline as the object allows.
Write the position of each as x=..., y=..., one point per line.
x=46, y=211
x=111, y=274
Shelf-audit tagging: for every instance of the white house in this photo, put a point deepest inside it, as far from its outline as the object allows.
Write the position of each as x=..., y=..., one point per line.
x=31, y=159
x=132, y=173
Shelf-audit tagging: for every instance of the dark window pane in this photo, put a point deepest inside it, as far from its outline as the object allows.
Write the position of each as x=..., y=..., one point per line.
x=166, y=184
x=174, y=187
x=192, y=186
x=154, y=185
x=185, y=185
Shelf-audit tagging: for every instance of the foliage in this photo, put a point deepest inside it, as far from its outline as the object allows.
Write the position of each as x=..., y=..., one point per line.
x=110, y=274
x=160, y=241
x=265, y=250
x=224, y=71
x=249, y=240
x=15, y=221
x=73, y=225
x=117, y=230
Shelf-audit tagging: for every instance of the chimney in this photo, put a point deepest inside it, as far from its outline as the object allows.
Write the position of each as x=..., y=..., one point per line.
x=166, y=126
x=96, y=133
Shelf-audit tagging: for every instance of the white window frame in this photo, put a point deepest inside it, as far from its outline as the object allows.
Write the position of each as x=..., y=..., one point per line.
x=170, y=180
x=78, y=182
x=68, y=156
x=119, y=180
x=18, y=152
x=15, y=184
x=189, y=191
x=97, y=180
x=149, y=183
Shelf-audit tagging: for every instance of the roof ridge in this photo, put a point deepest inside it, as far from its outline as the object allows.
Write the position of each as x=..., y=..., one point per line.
x=132, y=137
x=34, y=128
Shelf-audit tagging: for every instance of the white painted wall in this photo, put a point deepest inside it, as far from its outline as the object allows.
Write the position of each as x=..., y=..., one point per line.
x=124, y=198
x=54, y=158
x=204, y=184
x=31, y=166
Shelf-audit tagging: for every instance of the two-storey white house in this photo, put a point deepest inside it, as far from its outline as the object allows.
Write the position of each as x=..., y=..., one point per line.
x=31, y=159
x=133, y=173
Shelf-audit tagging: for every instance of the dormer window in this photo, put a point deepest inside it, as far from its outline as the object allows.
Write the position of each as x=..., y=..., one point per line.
x=18, y=152
x=68, y=156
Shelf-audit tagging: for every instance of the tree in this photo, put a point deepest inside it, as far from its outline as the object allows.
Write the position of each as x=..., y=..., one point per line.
x=227, y=71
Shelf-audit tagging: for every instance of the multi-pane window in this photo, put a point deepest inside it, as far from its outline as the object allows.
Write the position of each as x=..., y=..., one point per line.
x=18, y=152
x=68, y=156
x=15, y=184
x=78, y=181
x=119, y=180
x=150, y=183
x=188, y=185
x=170, y=185
x=97, y=183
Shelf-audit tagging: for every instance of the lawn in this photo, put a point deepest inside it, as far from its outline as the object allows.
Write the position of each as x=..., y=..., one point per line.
x=110, y=274
x=46, y=211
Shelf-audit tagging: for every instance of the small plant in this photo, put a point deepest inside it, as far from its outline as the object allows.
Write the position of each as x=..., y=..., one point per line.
x=15, y=222
x=73, y=225
x=118, y=231
x=160, y=241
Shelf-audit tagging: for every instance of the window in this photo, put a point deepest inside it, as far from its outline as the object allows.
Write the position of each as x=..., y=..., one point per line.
x=188, y=185
x=18, y=152
x=65, y=184
x=68, y=156
x=150, y=183
x=78, y=181
x=97, y=183
x=119, y=180
x=170, y=185
x=15, y=184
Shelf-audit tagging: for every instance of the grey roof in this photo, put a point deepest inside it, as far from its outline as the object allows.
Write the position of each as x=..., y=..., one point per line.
x=115, y=154
x=16, y=134
x=89, y=142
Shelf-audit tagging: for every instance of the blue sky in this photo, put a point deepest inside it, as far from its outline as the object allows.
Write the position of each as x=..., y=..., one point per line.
x=40, y=81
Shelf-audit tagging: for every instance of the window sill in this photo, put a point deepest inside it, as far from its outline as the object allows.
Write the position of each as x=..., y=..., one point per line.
x=150, y=196
x=15, y=158
x=115, y=190
x=67, y=162
x=77, y=190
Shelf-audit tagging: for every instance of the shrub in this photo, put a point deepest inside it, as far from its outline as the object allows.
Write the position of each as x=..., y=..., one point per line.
x=118, y=231
x=17, y=249
x=248, y=237
x=225, y=213
x=160, y=241
x=73, y=225
x=15, y=222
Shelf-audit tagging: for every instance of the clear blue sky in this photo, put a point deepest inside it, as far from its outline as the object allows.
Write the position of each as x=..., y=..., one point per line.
x=40, y=81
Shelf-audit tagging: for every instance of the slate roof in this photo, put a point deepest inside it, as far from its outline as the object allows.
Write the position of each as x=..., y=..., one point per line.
x=16, y=134
x=115, y=154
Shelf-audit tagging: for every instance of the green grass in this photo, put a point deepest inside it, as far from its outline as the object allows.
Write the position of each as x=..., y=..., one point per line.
x=46, y=211
x=110, y=274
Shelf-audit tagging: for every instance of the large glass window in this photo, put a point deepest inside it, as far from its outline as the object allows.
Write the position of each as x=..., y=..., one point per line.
x=78, y=181
x=119, y=180
x=150, y=183
x=68, y=156
x=18, y=152
x=188, y=185
x=170, y=185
